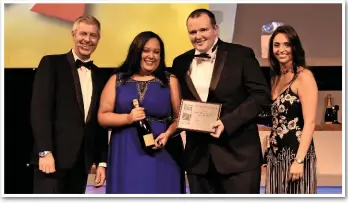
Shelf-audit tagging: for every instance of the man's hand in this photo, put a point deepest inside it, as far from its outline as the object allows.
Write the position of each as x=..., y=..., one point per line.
x=219, y=128
x=46, y=164
x=99, y=176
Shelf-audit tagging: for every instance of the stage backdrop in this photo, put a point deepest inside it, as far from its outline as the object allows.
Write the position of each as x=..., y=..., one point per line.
x=33, y=30
x=30, y=33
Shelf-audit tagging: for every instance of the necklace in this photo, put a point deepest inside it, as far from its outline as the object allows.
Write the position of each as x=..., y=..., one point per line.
x=283, y=72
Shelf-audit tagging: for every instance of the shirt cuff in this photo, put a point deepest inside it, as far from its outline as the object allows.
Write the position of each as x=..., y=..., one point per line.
x=102, y=164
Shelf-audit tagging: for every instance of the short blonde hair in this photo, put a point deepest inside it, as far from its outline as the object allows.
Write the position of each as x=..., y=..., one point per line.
x=88, y=19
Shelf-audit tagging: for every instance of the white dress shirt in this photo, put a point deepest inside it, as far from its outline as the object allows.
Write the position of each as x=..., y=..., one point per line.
x=86, y=83
x=85, y=76
x=202, y=72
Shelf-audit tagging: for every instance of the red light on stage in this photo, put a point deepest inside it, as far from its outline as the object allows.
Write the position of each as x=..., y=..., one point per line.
x=67, y=12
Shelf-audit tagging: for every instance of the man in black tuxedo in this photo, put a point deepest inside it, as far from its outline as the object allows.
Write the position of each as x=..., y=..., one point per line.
x=229, y=160
x=65, y=101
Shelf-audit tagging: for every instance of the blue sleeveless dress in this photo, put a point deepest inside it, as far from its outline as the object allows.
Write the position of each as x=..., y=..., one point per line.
x=130, y=170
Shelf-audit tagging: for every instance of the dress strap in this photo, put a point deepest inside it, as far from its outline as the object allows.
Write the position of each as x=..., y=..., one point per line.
x=119, y=78
x=294, y=78
x=292, y=81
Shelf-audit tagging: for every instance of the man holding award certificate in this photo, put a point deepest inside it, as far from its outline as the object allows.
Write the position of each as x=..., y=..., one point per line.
x=223, y=91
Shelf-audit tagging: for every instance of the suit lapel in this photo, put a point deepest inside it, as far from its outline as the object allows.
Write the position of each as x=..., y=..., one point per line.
x=217, y=70
x=188, y=79
x=77, y=84
x=218, y=66
x=191, y=86
x=94, y=95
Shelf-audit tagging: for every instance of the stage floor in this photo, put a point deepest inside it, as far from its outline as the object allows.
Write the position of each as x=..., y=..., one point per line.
x=321, y=190
x=327, y=184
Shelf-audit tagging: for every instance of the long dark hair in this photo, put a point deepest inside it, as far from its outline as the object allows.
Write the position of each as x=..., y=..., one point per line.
x=132, y=65
x=298, y=54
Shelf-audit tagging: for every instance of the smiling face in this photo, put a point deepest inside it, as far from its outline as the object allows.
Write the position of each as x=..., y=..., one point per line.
x=86, y=38
x=202, y=33
x=150, y=56
x=282, y=49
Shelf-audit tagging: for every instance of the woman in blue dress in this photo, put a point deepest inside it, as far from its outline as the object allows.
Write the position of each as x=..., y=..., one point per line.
x=143, y=76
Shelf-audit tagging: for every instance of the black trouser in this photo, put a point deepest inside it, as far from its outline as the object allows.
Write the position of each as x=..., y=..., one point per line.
x=63, y=181
x=215, y=183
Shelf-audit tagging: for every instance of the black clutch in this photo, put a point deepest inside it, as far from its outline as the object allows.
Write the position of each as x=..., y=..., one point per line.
x=265, y=117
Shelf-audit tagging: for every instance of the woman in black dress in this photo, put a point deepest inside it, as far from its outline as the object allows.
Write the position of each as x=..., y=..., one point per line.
x=291, y=158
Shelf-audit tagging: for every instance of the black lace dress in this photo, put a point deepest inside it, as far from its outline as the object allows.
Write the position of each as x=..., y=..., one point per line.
x=284, y=141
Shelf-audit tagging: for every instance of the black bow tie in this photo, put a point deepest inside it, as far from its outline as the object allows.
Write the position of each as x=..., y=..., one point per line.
x=88, y=64
x=205, y=55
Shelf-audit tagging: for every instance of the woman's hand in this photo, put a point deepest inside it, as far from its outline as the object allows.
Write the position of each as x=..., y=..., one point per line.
x=296, y=171
x=136, y=114
x=161, y=141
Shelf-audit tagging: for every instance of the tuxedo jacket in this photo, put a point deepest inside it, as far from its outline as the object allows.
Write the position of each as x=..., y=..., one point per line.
x=57, y=114
x=240, y=86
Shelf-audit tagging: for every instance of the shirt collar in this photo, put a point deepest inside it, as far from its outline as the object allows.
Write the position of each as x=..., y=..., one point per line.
x=76, y=57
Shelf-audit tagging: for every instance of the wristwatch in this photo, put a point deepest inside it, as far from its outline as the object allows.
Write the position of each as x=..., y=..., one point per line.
x=43, y=154
x=298, y=161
